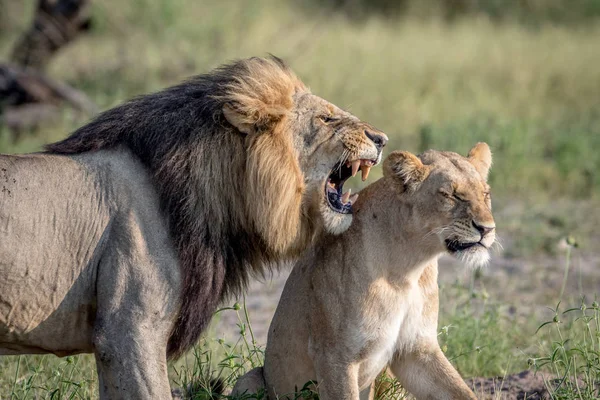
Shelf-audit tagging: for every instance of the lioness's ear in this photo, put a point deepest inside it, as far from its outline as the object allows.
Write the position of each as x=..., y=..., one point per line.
x=405, y=167
x=238, y=119
x=481, y=158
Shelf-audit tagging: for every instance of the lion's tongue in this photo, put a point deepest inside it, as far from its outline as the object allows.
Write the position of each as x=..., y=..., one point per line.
x=347, y=197
x=331, y=188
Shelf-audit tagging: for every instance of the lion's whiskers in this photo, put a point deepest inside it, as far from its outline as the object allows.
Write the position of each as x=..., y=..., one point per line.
x=342, y=160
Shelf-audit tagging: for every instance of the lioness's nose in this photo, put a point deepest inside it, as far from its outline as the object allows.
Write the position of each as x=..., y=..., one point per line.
x=483, y=230
x=379, y=139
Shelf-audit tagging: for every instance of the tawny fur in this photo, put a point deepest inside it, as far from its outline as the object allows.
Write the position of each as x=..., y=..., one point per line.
x=146, y=218
x=368, y=300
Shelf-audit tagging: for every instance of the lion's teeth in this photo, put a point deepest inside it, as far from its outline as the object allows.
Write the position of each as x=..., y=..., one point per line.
x=355, y=167
x=353, y=198
x=346, y=196
x=365, y=172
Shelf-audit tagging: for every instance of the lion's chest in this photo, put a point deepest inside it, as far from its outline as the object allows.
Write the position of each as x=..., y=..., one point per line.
x=391, y=321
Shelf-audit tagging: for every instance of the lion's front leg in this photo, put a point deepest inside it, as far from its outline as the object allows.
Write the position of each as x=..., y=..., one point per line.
x=131, y=365
x=138, y=296
x=367, y=393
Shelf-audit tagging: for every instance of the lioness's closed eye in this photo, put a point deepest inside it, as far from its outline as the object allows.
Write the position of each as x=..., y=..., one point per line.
x=369, y=300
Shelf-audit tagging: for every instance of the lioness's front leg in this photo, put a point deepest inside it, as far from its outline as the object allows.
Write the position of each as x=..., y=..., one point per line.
x=336, y=380
x=251, y=382
x=427, y=374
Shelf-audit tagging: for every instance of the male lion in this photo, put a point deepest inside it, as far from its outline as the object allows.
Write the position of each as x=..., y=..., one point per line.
x=368, y=300
x=122, y=239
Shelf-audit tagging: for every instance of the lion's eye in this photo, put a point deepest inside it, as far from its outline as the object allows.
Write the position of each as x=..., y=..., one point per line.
x=328, y=119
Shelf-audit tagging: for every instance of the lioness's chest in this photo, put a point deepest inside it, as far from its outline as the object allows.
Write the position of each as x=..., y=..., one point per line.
x=391, y=322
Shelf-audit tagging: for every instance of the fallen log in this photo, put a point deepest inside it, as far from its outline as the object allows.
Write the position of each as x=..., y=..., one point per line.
x=55, y=23
x=29, y=99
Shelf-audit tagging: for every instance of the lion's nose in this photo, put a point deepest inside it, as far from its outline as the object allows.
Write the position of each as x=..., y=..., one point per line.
x=483, y=230
x=379, y=139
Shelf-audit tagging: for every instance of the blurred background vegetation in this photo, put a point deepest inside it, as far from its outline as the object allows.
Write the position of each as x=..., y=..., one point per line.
x=522, y=75
x=527, y=12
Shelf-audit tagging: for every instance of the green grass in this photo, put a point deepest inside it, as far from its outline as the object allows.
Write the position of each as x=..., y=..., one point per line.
x=30, y=377
x=526, y=86
x=477, y=335
x=573, y=356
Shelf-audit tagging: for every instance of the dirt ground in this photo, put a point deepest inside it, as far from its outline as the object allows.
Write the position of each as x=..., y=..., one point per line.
x=524, y=385
x=527, y=285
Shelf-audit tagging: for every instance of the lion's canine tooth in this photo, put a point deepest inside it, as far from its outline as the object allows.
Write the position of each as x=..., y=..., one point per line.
x=353, y=198
x=355, y=167
x=365, y=172
x=346, y=196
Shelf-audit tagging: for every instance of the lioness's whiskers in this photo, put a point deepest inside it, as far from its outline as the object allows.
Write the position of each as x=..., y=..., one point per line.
x=436, y=231
x=497, y=243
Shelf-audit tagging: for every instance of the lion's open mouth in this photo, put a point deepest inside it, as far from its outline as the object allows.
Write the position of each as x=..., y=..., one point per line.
x=339, y=201
x=453, y=245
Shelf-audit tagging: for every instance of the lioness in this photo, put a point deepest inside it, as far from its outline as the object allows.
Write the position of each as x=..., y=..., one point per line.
x=123, y=238
x=369, y=300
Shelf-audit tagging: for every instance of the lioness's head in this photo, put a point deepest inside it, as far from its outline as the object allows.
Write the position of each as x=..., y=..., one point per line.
x=300, y=151
x=450, y=199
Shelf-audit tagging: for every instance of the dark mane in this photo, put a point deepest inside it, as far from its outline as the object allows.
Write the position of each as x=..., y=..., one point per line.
x=196, y=158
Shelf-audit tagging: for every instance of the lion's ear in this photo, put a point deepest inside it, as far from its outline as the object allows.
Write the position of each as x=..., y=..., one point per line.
x=406, y=168
x=238, y=119
x=253, y=115
x=481, y=158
